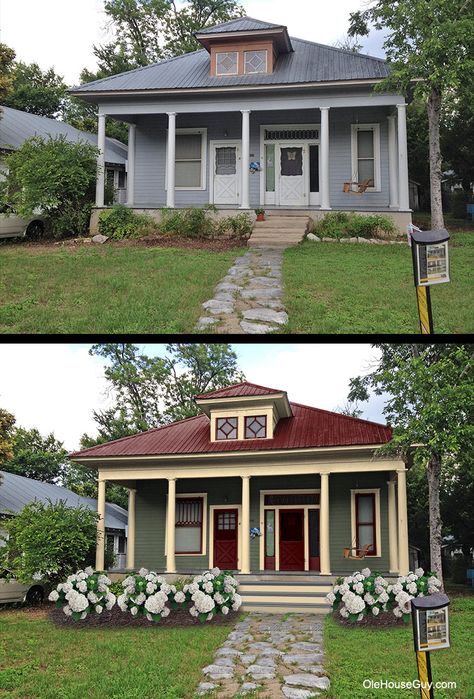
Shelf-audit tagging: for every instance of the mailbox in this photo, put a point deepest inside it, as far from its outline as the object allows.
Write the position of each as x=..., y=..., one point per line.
x=430, y=256
x=430, y=632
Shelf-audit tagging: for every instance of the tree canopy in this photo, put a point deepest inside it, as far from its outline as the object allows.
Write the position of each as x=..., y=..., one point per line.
x=7, y=58
x=37, y=457
x=7, y=424
x=36, y=91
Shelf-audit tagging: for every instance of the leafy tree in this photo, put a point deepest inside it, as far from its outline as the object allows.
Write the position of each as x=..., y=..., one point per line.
x=50, y=538
x=7, y=424
x=417, y=141
x=430, y=404
x=83, y=481
x=430, y=42
x=55, y=176
x=37, y=457
x=456, y=138
x=35, y=91
x=7, y=58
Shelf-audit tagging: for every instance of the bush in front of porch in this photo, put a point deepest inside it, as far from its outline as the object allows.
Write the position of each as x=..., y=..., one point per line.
x=342, y=224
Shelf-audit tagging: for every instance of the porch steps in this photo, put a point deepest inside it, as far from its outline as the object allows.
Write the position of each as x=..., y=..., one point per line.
x=285, y=593
x=279, y=231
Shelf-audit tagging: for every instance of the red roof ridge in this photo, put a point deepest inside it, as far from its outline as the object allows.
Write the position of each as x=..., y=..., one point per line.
x=333, y=412
x=137, y=434
x=236, y=385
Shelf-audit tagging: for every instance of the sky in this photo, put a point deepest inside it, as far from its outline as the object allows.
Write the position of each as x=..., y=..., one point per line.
x=61, y=33
x=56, y=387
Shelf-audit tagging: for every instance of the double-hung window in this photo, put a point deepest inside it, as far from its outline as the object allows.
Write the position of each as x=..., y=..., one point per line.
x=189, y=525
x=366, y=154
x=365, y=522
x=190, y=158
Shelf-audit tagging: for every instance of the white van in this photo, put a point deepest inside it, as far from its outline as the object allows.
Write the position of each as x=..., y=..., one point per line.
x=12, y=226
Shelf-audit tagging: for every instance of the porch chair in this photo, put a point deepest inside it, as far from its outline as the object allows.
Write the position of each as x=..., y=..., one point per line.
x=361, y=187
x=359, y=553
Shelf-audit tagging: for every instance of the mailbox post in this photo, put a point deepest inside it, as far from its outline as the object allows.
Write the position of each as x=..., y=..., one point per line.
x=430, y=266
x=430, y=632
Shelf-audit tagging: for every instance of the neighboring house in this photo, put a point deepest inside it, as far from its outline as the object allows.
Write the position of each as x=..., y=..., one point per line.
x=18, y=491
x=310, y=480
x=260, y=119
x=16, y=127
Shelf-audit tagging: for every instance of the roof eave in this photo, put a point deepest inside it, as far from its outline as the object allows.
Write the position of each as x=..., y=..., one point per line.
x=207, y=39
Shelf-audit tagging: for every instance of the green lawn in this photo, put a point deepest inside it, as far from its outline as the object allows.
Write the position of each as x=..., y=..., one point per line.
x=356, y=654
x=344, y=288
x=109, y=289
x=42, y=661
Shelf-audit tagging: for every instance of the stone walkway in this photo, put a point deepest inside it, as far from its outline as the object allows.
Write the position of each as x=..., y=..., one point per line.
x=270, y=656
x=248, y=300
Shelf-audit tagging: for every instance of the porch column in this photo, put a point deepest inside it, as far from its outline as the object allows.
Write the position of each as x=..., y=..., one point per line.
x=324, y=185
x=245, y=189
x=392, y=528
x=100, y=182
x=170, y=527
x=131, y=529
x=171, y=165
x=404, y=201
x=131, y=165
x=403, y=561
x=392, y=162
x=245, y=527
x=325, y=558
x=100, y=546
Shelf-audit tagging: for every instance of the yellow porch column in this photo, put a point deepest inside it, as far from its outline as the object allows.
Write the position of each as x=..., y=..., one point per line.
x=245, y=528
x=392, y=528
x=402, y=523
x=170, y=527
x=324, y=526
x=100, y=546
x=131, y=529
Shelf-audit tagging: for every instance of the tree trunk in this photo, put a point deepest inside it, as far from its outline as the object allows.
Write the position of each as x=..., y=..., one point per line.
x=433, y=473
x=434, y=112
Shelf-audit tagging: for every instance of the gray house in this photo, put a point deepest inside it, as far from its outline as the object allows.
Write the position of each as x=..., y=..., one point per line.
x=257, y=118
x=18, y=491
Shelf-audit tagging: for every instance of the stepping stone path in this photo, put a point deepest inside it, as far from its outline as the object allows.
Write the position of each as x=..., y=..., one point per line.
x=248, y=300
x=271, y=656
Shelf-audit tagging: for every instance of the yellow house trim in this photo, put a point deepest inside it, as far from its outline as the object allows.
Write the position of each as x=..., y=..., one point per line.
x=241, y=414
x=368, y=491
x=211, y=531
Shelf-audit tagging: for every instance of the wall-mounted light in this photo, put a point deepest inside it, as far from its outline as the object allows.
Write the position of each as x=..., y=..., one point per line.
x=226, y=133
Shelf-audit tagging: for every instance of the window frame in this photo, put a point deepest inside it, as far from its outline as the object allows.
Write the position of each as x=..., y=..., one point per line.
x=204, y=146
x=375, y=129
x=182, y=526
x=190, y=496
x=254, y=417
x=256, y=72
x=228, y=417
x=375, y=492
x=226, y=53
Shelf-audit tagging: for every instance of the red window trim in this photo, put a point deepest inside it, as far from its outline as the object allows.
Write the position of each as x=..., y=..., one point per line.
x=253, y=417
x=228, y=417
x=183, y=526
x=372, y=523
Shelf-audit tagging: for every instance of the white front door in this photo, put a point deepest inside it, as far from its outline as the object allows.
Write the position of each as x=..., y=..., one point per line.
x=226, y=172
x=292, y=168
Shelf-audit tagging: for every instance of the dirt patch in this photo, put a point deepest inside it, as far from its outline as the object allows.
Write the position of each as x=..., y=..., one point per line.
x=153, y=241
x=115, y=618
x=382, y=621
x=216, y=245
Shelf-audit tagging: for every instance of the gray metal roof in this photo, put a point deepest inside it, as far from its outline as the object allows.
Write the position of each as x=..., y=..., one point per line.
x=242, y=24
x=310, y=62
x=16, y=127
x=17, y=491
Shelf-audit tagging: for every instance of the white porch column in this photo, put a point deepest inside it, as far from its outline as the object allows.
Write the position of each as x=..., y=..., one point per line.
x=131, y=165
x=392, y=528
x=245, y=188
x=171, y=165
x=131, y=529
x=100, y=182
x=404, y=200
x=325, y=558
x=324, y=183
x=392, y=162
x=100, y=546
x=403, y=561
x=170, y=527
x=245, y=526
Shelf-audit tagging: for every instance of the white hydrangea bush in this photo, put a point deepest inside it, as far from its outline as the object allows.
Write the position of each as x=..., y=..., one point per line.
x=82, y=593
x=213, y=592
x=365, y=593
x=147, y=593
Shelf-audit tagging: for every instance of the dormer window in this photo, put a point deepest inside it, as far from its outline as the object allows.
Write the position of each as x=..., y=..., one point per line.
x=226, y=428
x=227, y=63
x=256, y=427
x=255, y=61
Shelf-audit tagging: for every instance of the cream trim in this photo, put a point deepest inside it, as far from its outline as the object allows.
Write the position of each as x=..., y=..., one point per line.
x=367, y=491
x=204, y=522
x=241, y=414
x=211, y=531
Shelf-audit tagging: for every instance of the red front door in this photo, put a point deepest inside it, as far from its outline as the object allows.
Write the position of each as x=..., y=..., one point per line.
x=291, y=540
x=225, y=539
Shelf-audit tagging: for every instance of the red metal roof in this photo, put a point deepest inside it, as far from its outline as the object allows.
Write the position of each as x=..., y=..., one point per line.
x=309, y=427
x=240, y=389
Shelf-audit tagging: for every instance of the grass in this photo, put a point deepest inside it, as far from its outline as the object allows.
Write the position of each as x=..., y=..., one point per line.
x=344, y=288
x=42, y=661
x=108, y=289
x=356, y=654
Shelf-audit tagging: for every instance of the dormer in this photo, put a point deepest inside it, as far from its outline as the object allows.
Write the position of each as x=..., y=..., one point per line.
x=244, y=46
x=245, y=411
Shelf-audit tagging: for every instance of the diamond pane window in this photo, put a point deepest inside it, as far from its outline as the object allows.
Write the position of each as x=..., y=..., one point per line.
x=256, y=427
x=226, y=428
x=227, y=63
x=255, y=61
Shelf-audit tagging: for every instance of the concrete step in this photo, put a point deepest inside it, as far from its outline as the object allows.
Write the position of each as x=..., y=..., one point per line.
x=279, y=231
x=285, y=607
x=299, y=223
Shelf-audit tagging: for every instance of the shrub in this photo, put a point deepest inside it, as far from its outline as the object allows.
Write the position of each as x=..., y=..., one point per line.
x=241, y=225
x=199, y=223
x=213, y=592
x=83, y=592
x=342, y=224
x=147, y=593
x=120, y=223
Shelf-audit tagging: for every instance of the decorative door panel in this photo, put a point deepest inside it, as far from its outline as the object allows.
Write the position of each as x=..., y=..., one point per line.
x=291, y=540
x=226, y=174
x=226, y=523
x=292, y=176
